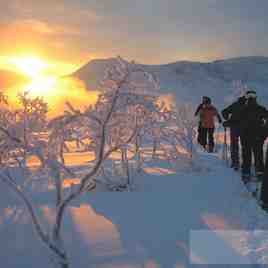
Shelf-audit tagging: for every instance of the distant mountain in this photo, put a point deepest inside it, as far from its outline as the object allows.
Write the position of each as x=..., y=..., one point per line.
x=188, y=81
x=9, y=79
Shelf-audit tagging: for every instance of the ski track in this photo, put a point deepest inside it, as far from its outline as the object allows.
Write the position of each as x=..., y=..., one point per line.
x=150, y=228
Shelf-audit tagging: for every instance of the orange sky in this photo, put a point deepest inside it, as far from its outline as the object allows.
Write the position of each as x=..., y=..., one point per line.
x=73, y=32
x=65, y=34
x=46, y=79
x=70, y=33
x=14, y=62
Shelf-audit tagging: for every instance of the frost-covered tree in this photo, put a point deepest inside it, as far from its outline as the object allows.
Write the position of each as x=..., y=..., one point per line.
x=186, y=128
x=130, y=94
x=20, y=129
x=5, y=118
x=111, y=125
x=173, y=132
x=116, y=130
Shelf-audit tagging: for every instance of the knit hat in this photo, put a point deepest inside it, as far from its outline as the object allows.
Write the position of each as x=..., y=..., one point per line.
x=251, y=94
x=206, y=99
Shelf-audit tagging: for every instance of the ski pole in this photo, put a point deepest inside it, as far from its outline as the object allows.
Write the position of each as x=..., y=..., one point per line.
x=224, y=144
x=225, y=153
x=217, y=138
x=228, y=154
x=227, y=149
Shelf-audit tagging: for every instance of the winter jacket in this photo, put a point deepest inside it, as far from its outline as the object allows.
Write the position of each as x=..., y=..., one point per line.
x=198, y=109
x=207, y=113
x=232, y=113
x=252, y=120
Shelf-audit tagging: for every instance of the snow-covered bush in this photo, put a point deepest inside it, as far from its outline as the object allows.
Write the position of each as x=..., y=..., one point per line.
x=186, y=128
x=20, y=129
x=117, y=131
x=112, y=125
x=129, y=100
x=174, y=132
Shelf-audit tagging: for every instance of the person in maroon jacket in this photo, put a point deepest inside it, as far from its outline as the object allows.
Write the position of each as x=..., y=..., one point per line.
x=207, y=113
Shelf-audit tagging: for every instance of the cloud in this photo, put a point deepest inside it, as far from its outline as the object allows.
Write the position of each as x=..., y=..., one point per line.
x=48, y=28
x=32, y=25
x=47, y=17
x=60, y=10
x=40, y=26
x=149, y=31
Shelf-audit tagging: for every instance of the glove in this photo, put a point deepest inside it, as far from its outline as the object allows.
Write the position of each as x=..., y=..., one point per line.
x=226, y=124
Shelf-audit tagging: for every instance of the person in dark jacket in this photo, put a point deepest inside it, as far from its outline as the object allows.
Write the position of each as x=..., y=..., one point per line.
x=231, y=115
x=251, y=124
x=207, y=113
x=264, y=188
x=201, y=133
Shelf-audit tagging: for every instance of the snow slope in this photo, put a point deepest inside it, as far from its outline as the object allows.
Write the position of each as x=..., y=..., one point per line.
x=169, y=223
x=188, y=81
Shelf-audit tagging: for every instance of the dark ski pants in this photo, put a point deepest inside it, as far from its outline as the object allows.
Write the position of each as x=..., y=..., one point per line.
x=234, y=137
x=252, y=145
x=206, y=136
x=264, y=188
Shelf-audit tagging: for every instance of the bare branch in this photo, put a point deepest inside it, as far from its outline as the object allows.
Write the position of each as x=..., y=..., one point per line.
x=7, y=178
x=7, y=133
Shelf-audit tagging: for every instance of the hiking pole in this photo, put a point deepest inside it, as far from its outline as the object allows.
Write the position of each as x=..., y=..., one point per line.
x=224, y=151
x=228, y=148
x=217, y=140
x=224, y=145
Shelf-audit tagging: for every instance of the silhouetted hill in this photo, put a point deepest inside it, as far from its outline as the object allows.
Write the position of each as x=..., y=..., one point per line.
x=188, y=81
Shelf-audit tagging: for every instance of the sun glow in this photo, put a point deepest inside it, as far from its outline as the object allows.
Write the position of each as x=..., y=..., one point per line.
x=30, y=66
x=43, y=86
x=56, y=92
x=48, y=80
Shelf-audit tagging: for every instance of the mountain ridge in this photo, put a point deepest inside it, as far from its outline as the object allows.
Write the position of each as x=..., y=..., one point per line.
x=188, y=81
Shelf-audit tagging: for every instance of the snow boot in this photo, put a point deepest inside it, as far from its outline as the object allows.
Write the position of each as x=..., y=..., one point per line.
x=259, y=176
x=264, y=207
x=245, y=178
x=252, y=188
x=235, y=166
x=211, y=149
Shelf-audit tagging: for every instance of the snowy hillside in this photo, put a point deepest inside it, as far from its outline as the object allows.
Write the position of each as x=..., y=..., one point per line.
x=179, y=205
x=161, y=226
x=188, y=81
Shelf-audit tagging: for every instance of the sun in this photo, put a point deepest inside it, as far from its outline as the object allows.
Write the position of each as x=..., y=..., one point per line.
x=29, y=65
x=41, y=84
x=49, y=80
x=42, y=87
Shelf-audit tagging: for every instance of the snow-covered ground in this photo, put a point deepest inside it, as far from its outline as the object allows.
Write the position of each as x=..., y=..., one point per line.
x=177, y=219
